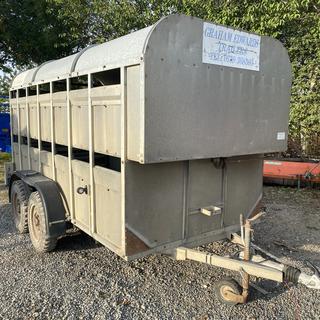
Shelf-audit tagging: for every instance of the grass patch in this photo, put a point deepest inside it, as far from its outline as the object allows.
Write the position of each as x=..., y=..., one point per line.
x=5, y=157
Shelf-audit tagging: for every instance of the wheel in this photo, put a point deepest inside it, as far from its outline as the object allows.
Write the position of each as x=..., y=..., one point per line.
x=37, y=225
x=19, y=199
x=227, y=285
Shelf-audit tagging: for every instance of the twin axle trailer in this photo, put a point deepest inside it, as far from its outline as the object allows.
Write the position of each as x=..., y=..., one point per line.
x=153, y=142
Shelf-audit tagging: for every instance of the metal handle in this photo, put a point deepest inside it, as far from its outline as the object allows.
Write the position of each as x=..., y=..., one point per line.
x=82, y=190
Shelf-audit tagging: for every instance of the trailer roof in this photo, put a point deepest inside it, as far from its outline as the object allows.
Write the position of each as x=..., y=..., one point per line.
x=121, y=51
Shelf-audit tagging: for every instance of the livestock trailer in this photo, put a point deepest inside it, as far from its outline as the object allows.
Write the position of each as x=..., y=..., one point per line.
x=152, y=142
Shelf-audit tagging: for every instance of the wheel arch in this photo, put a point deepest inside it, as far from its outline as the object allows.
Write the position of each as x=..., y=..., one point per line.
x=51, y=195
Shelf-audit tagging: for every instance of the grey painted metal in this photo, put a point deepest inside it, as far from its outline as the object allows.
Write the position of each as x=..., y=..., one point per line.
x=52, y=133
x=164, y=122
x=123, y=153
x=75, y=60
x=11, y=135
x=37, y=70
x=28, y=130
x=19, y=131
x=118, y=51
x=91, y=159
x=196, y=110
x=23, y=79
x=69, y=139
x=54, y=69
x=39, y=128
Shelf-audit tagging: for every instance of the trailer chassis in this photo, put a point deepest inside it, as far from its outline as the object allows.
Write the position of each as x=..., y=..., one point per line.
x=248, y=264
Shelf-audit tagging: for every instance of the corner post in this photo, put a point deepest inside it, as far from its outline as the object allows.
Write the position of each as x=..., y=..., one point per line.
x=123, y=77
x=69, y=123
x=91, y=159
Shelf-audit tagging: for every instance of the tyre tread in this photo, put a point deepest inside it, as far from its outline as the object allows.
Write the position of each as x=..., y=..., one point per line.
x=46, y=243
x=20, y=188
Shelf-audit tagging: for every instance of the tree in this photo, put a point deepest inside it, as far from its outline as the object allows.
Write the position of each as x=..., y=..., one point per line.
x=5, y=81
x=31, y=33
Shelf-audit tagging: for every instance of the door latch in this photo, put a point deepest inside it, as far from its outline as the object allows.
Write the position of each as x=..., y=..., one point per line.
x=82, y=190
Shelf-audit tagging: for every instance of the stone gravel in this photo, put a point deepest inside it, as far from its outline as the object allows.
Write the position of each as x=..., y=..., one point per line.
x=84, y=280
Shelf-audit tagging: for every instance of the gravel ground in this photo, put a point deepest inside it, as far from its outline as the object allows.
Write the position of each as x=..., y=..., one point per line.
x=83, y=280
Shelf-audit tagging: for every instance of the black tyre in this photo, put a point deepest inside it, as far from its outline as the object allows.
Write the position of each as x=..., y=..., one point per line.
x=227, y=285
x=37, y=225
x=19, y=201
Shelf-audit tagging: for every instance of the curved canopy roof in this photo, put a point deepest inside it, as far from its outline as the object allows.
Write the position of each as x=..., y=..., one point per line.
x=119, y=51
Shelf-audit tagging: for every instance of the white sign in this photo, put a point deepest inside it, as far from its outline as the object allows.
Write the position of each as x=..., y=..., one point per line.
x=231, y=48
x=281, y=135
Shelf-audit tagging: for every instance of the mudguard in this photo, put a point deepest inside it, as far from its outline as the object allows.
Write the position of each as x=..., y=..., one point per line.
x=49, y=190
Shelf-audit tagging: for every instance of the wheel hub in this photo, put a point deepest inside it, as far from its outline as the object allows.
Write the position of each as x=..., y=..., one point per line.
x=224, y=290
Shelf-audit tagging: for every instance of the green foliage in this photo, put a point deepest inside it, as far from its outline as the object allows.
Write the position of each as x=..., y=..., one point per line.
x=31, y=33
x=34, y=31
x=5, y=82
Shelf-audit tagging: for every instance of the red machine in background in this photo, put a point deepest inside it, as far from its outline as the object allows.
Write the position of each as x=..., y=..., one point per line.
x=292, y=173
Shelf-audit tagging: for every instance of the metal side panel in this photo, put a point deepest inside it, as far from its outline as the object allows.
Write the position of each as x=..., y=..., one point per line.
x=14, y=125
x=106, y=102
x=243, y=187
x=60, y=117
x=34, y=156
x=154, y=205
x=62, y=177
x=60, y=124
x=107, y=129
x=79, y=118
x=106, y=95
x=32, y=99
x=80, y=138
x=79, y=97
x=33, y=120
x=108, y=205
x=46, y=163
x=45, y=121
x=23, y=118
x=204, y=191
x=44, y=98
x=24, y=157
x=81, y=179
x=196, y=110
x=15, y=151
x=133, y=113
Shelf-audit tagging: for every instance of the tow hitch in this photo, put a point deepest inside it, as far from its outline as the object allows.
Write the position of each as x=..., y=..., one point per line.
x=228, y=290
